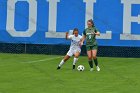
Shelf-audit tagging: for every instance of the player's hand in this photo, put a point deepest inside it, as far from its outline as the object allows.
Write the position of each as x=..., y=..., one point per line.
x=81, y=43
x=67, y=33
x=93, y=33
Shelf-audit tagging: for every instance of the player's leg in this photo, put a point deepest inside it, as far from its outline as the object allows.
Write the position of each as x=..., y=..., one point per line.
x=68, y=55
x=63, y=61
x=94, y=53
x=89, y=53
x=76, y=55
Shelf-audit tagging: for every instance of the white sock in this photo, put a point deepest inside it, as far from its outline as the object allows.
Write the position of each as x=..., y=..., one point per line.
x=75, y=60
x=61, y=63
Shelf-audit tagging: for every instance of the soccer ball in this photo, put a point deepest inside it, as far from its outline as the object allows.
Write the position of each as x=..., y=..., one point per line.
x=80, y=68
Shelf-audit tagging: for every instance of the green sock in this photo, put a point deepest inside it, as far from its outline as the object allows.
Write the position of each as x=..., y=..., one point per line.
x=96, y=62
x=90, y=63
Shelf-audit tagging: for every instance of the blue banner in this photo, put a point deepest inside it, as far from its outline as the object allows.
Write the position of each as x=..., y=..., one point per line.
x=46, y=21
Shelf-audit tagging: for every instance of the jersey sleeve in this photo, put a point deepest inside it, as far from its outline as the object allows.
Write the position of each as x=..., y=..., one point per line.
x=96, y=30
x=84, y=32
x=80, y=36
x=70, y=36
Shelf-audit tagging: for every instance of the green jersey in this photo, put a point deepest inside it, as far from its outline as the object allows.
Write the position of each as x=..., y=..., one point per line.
x=90, y=36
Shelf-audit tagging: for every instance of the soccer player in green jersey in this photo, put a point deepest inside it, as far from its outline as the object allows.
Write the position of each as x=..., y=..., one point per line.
x=89, y=35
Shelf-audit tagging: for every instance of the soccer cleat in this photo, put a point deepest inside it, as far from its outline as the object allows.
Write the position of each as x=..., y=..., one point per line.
x=91, y=69
x=98, y=68
x=58, y=68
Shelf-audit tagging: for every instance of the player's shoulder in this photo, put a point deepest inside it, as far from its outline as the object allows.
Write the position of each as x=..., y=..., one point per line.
x=84, y=32
x=96, y=29
x=80, y=36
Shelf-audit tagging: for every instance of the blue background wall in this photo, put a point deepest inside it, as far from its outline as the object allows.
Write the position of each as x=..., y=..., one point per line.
x=108, y=15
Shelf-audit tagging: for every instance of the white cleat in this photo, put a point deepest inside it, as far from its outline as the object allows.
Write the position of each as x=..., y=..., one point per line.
x=98, y=68
x=91, y=69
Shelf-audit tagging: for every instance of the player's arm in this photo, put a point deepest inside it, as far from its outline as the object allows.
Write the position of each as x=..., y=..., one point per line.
x=83, y=38
x=68, y=36
x=97, y=33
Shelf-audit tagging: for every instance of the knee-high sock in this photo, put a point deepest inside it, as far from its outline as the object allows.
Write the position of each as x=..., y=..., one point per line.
x=90, y=63
x=75, y=60
x=61, y=63
x=96, y=62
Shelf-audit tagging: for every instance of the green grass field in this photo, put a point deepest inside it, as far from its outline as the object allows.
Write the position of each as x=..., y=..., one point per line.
x=26, y=73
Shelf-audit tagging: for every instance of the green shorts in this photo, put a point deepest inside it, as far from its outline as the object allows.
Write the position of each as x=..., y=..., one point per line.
x=95, y=47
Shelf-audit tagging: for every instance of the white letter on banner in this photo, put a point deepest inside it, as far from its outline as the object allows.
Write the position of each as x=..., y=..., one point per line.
x=53, y=21
x=11, y=17
x=89, y=15
x=127, y=19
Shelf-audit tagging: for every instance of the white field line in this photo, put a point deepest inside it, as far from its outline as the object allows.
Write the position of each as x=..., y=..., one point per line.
x=46, y=59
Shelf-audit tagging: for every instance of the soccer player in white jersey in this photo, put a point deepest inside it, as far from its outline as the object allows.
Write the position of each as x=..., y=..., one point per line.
x=75, y=48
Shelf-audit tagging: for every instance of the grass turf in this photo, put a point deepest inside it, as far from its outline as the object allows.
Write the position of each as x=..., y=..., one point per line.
x=26, y=73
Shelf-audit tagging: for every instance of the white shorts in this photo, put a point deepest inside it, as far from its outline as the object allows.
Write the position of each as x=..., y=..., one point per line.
x=71, y=52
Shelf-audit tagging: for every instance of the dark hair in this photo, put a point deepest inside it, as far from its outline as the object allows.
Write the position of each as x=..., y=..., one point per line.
x=91, y=21
x=75, y=29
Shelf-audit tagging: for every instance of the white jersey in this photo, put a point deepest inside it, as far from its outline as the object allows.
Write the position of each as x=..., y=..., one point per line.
x=75, y=41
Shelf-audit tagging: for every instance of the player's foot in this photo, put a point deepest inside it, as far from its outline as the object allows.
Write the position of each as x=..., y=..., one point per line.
x=91, y=69
x=58, y=68
x=98, y=68
x=73, y=66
